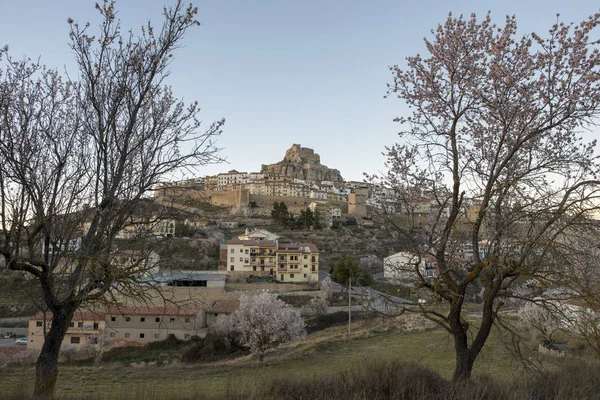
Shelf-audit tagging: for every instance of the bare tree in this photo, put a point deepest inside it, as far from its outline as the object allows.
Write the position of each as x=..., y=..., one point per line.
x=80, y=155
x=491, y=170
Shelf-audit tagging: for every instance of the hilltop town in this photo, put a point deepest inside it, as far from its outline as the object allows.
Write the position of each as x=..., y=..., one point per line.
x=473, y=253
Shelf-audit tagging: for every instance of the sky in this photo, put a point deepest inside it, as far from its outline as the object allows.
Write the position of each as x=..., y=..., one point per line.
x=284, y=72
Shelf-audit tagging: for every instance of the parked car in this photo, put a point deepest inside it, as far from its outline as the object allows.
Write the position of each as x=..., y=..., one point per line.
x=22, y=341
x=10, y=335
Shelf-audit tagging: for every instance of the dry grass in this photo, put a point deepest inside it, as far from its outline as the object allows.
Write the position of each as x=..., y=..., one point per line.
x=329, y=353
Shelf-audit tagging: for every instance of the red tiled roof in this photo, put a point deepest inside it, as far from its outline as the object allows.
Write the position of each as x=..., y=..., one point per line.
x=80, y=315
x=171, y=310
x=224, y=306
x=260, y=243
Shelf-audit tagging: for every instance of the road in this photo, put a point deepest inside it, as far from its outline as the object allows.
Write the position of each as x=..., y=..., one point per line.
x=375, y=300
x=8, y=343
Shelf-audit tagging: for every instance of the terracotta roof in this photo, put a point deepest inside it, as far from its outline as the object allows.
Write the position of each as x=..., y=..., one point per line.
x=313, y=248
x=224, y=306
x=80, y=315
x=171, y=310
x=260, y=243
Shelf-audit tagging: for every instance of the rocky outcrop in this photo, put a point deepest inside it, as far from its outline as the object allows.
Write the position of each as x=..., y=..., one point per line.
x=303, y=163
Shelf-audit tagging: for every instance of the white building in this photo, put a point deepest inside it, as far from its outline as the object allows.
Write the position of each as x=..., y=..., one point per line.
x=401, y=267
x=258, y=234
x=232, y=177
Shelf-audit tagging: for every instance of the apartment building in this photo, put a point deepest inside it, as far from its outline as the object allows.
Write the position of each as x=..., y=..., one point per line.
x=144, y=227
x=266, y=187
x=327, y=213
x=232, y=177
x=258, y=234
x=284, y=262
x=131, y=326
x=85, y=327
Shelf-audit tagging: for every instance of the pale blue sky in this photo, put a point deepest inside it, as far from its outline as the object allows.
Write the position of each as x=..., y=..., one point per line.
x=283, y=72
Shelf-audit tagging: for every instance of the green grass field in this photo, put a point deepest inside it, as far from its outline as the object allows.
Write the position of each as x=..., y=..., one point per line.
x=320, y=353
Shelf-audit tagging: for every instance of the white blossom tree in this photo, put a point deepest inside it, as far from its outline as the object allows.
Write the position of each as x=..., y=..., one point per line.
x=541, y=318
x=326, y=289
x=264, y=322
x=492, y=155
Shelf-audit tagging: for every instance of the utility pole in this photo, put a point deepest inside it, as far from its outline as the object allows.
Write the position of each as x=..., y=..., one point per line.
x=349, y=305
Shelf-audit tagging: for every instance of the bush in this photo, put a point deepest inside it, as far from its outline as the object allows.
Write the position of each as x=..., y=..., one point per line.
x=170, y=343
x=376, y=379
x=371, y=380
x=574, y=380
x=211, y=348
x=23, y=358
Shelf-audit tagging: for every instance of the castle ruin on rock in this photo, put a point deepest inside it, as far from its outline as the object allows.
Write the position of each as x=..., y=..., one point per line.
x=302, y=163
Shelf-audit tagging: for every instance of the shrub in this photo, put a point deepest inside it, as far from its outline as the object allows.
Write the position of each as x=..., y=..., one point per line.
x=211, y=348
x=68, y=354
x=23, y=358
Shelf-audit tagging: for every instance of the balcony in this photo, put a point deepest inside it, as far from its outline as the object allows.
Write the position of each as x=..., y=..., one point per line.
x=259, y=265
x=85, y=328
x=262, y=254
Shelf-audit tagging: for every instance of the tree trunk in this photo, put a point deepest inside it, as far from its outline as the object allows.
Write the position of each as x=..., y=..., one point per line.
x=463, y=354
x=261, y=357
x=46, y=366
x=464, y=363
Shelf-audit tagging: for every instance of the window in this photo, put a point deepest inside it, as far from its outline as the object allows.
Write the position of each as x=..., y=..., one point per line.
x=142, y=335
x=112, y=334
x=216, y=314
x=72, y=324
x=75, y=339
x=127, y=335
x=96, y=325
x=127, y=319
x=241, y=251
x=241, y=259
x=246, y=251
x=231, y=268
x=142, y=319
x=313, y=268
x=157, y=319
x=291, y=275
x=305, y=257
x=254, y=268
x=304, y=276
x=305, y=266
x=157, y=336
x=246, y=261
x=113, y=319
x=79, y=324
x=232, y=251
x=172, y=319
x=187, y=320
x=232, y=259
x=38, y=323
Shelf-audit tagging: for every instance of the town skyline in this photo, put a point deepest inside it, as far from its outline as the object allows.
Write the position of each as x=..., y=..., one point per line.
x=281, y=73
